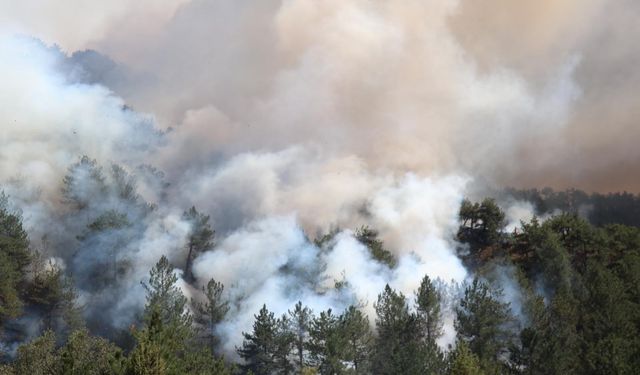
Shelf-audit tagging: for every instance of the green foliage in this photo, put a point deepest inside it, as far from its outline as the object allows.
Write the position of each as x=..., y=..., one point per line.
x=39, y=357
x=463, y=361
x=603, y=209
x=398, y=346
x=53, y=294
x=325, y=344
x=369, y=238
x=300, y=318
x=482, y=223
x=10, y=303
x=357, y=339
x=168, y=327
x=14, y=260
x=608, y=326
x=284, y=344
x=84, y=354
x=212, y=311
x=481, y=322
x=259, y=347
x=551, y=260
x=149, y=357
x=581, y=297
x=200, y=238
x=428, y=308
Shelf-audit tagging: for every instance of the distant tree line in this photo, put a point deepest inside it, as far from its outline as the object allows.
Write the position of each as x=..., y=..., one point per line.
x=577, y=283
x=599, y=209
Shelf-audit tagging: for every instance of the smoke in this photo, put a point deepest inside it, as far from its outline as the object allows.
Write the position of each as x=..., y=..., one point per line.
x=286, y=119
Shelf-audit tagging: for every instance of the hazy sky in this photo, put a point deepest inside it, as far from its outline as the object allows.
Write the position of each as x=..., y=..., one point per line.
x=283, y=119
x=526, y=93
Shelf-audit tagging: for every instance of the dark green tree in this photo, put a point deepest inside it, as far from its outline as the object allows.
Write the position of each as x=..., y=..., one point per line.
x=428, y=301
x=84, y=354
x=54, y=296
x=167, y=322
x=554, y=339
x=398, y=347
x=356, y=339
x=200, y=238
x=212, y=311
x=463, y=361
x=428, y=311
x=259, y=347
x=369, y=238
x=38, y=356
x=482, y=323
x=326, y=346
x=300, y=318
x=481, y=223
x=284, y=344
x=149, y=357
x=15, y=258
x=609, y=334
x=551, y=261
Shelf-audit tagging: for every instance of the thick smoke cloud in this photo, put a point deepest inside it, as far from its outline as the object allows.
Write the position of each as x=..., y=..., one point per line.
x=287, y=119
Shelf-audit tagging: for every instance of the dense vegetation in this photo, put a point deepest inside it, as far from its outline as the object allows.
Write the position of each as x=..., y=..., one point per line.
x=577, y=284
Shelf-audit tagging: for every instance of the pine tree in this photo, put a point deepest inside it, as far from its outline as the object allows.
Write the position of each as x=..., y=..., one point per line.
x=284, y=344
x=15, y=257
x=398, y=348
x=326, y=346
x=481, y=322
x=259, y=347
x=211, y=312
x=38, y=356
x=369, y=238
x=300, y=319
x=149, y=357
x=429, y=315
x=463, y=361
x=357, y=339
x=53, y=294
x=200, y=238
x=429, y=311
x=84, y=354
x=168, y=324
x=482, y=223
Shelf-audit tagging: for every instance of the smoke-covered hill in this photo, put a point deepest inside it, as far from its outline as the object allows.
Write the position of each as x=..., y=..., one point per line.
x=325, y=152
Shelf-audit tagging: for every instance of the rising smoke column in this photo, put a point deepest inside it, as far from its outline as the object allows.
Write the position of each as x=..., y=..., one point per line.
x=281, y=120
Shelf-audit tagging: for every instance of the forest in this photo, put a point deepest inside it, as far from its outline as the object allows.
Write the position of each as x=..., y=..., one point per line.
x=574, y=269
x=280, y=187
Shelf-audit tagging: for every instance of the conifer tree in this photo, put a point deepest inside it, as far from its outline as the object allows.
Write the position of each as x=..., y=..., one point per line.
x=369, y=238
x=284, y=344
x=84, y=354
x=463, y=361
x=357, y=339
x=14, y=259
x=38, y=356
x=259, y=347
x=398, y=347
x=429, y=311
x=481, y=322
x=325, y=344
x=200, y=238
x=300, y=318
x=212, y=311
x=168, y=324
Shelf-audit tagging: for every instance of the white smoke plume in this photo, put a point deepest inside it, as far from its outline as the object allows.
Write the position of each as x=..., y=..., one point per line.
x=280, y=120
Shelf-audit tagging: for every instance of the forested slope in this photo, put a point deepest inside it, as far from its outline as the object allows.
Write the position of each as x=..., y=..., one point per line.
x=569, y=305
